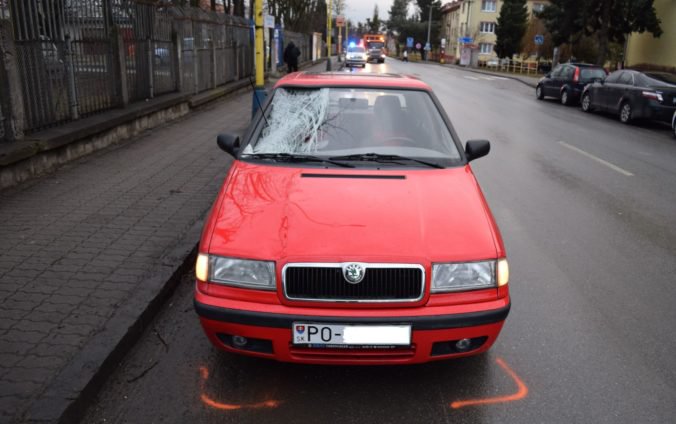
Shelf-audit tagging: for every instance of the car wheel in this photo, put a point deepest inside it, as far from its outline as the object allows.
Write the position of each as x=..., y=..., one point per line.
x=625, y=113
x=565, y=99
x=539, y=93
x=586, y=103
x=674, y=130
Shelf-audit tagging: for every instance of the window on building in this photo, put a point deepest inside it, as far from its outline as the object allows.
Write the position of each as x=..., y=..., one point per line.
x=488, y=5
x=487, y=27
x=485, y=48
x=538, y=7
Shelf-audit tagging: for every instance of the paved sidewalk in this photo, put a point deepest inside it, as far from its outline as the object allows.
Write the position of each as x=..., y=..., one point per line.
x=85, y=250
x=75, y=245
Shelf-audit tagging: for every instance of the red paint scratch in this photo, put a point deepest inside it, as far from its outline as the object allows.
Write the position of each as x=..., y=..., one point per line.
x=521, y=393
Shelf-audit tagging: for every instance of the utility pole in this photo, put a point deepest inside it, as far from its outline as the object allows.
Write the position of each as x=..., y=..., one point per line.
x=259, y=89
x=329, y=18
x=428, y=48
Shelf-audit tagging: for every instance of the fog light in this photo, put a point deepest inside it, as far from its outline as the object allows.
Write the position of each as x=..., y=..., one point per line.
x=240, y=341
x=463, y=344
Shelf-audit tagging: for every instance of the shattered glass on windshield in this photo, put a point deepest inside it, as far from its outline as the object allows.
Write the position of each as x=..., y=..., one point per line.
x=294, y=123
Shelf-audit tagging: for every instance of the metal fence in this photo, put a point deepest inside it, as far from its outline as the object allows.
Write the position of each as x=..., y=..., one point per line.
x=80, y=57
x=215, y=48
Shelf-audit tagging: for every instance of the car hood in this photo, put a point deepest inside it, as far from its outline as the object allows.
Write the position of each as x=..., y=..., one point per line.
x=291, y=214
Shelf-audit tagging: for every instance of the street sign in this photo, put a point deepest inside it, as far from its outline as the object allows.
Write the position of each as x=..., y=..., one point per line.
x=269, y=21
x=465, y=40
x=340, y=21
x=443, y=43
x=539, y=40
x=428, y=47
x=409, y=42
x=418, y=46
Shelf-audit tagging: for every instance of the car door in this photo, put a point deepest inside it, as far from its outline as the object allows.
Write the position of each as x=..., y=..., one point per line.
x=620, y=90
x=603, y=95
x=550, y=84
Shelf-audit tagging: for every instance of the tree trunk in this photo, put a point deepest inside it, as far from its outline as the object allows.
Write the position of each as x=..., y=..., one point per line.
x=603, y=32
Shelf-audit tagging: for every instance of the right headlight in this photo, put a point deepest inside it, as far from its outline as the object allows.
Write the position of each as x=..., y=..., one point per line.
x=451, y=277
x=236, y=272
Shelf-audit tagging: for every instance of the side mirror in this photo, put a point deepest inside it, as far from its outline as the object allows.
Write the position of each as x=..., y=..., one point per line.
x=228, y=143
x=475, y=149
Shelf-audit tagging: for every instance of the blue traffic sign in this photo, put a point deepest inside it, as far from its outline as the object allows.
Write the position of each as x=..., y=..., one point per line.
x=465, y=40
x=539, y=39
x=409, y=42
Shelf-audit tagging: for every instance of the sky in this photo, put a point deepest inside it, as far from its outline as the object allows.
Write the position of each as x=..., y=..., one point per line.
x=359, y=10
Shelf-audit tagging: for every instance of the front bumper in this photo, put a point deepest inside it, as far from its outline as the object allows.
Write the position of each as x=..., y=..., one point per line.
x=351, y=62
x=434, y=331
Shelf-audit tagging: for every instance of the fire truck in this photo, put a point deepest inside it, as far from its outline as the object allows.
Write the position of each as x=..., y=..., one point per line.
x=375, y=47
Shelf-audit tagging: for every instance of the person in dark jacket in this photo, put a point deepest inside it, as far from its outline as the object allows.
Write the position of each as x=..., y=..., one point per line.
x=291, y=54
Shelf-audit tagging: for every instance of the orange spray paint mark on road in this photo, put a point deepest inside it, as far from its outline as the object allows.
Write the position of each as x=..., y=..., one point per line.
x=521, y=393
x=204, y=373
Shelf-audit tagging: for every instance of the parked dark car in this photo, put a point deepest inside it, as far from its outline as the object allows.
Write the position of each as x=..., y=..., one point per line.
x=673, y=124
x=567, y=81
x=633, y=95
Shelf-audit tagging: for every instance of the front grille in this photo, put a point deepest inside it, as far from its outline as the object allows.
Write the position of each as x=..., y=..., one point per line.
x=380, y=283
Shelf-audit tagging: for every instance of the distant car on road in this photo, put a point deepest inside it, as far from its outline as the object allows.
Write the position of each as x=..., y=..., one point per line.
x=567, y=81
x=633, y=95
x=351, y=230
x=356, y=56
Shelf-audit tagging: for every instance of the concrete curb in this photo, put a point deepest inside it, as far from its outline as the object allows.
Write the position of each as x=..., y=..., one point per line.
x=68, y=396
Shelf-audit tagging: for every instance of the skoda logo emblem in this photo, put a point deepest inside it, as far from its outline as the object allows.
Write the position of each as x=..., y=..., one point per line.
x=353, y=273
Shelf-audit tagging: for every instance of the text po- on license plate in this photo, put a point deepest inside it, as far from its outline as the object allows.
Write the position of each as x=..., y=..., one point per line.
x=305, y=333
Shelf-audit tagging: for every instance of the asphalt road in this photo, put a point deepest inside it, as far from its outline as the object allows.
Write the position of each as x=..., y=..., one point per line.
x=587, y=209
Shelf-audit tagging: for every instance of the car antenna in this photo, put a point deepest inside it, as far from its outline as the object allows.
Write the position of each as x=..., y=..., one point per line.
x=258, y=101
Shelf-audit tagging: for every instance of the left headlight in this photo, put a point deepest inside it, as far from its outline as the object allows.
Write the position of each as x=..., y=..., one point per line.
x=236, y=272
x=469, y=276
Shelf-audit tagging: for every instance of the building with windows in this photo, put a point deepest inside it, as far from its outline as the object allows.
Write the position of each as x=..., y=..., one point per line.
x=644, y=50
x=469, y=27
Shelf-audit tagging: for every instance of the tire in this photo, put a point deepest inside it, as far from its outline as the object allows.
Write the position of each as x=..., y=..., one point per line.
x=585, y=103
x=674, y=128
x=625, y=112
x=539, y=93
x=565, y=98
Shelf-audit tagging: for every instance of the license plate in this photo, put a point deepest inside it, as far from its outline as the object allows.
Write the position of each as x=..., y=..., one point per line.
x=325, y=335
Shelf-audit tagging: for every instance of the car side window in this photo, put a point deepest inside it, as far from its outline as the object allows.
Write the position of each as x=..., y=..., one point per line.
x=568, y=72
x=614, y=77
x=626, y=78
x=557, y=71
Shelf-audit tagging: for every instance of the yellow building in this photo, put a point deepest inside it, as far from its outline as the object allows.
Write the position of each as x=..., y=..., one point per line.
x=644, y=49
x=475, y=20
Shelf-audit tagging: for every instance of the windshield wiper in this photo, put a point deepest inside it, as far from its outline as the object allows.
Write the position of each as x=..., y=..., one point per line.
x=296, y=158
x=375, y=157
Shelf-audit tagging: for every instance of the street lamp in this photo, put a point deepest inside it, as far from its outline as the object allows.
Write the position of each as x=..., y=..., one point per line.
x=428, y=47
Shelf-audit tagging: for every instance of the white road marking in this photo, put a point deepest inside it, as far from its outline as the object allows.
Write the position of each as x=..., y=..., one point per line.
x=488, y=78
x=501, y=78
x=472, y=78
x=597, y=159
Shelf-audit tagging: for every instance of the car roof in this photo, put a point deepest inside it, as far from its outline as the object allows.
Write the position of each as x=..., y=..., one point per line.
x=350, y=79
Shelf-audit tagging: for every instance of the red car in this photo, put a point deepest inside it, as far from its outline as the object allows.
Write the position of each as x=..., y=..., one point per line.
x=350, y=229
